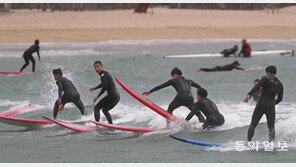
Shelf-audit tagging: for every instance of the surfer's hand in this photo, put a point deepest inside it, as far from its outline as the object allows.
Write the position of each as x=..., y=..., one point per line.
x=95, y=99
x=59, y=101
x=200, y=128
x=91, y=89
x=247, y=99
x=197, y=69
x=61, y=108
x=146, y=93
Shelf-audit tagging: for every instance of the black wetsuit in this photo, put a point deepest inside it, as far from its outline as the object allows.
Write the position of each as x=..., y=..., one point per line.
x=70, y=95
x=271, y=87
x=227, y=67
x=109, y=101
x=183, y=97
x=228, y=52
x=28, y=56
x=256, y=95
x=210, y=110
x=244, y=51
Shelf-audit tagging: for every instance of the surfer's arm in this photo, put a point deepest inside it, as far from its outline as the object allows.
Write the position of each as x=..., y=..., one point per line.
x=99, y=86
x=166, y=84
x=194, y=84
x=38, y=52
x=104, y=85
x=196, y=108
x=60, y=88
x=238, y=68
x=279, y=96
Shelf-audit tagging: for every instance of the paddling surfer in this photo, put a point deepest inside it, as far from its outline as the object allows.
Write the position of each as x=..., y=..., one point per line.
x=28, y=55
x=209, y=109
x=271, y=87
x=112, y=98
x=184, y=96
x=228, y=67
x=67, y=93
x=246, y=49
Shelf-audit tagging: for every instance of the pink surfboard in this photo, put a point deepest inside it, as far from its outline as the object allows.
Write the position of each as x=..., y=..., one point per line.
x=16, y=111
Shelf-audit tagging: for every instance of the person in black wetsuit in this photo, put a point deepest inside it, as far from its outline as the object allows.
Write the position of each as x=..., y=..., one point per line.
x=28, y=55
x=246, y=49
x=256, y=95
x=183, y=97
x=70, y=94
x=230, y=51
x=209, y=109
x=228, y=67
x=271, y=87
x=112, y=98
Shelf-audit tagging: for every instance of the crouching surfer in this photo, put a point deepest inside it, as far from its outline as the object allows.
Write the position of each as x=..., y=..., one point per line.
x=183, y=97
x=209, y=109
x=112, y=98
x=67, y=93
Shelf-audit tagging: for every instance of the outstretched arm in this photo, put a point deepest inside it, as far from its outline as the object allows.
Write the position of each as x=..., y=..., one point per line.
x=166, y=84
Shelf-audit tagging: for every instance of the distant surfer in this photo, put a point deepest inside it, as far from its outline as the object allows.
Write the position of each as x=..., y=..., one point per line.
x=184, y=96
x=209, y=109
x=112, y=98
x=228, y=67
x=246, y=49
x=271, y=87
x=28, y=55
x=230, y=51
x=67, y=93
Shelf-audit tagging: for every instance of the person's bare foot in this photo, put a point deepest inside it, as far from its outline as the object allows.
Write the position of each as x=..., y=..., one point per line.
x=197, y=69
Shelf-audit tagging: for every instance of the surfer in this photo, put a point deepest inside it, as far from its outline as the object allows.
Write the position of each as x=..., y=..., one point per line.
x=271, y=87
x=70, y=94
x=209, y=109
x=183, y=97
x=28, y=55
x=228, y=67
x=256, y=95
x=246, y=49
x=112, y=98
x=230, y=51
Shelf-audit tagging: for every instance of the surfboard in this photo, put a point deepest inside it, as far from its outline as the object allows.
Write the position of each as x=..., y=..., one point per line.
x=22, y=121
x=253, y=53
x=15, y=72
x=75, y=127
x=152, y=106
x=16, y=111
x=196, y=142
x=255, y=68
x=126, y=128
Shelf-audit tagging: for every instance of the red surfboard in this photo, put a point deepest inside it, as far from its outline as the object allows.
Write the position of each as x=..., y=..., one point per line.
x=15, y=72
x=22, y=121
x=75, y=127
x=126, y=128
x=16, y=111
x=152, y=106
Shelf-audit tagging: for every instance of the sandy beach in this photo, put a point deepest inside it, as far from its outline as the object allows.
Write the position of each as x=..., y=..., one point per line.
x=23, y=26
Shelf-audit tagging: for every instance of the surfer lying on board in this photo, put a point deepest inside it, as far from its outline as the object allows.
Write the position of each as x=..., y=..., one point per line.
x=228, y=67
x=28, y=55
x=70, y=94
x=246, y=49
x=209, y=109
x=230, y=51
x=183, y=97
x=112, y=98
x=271, y=87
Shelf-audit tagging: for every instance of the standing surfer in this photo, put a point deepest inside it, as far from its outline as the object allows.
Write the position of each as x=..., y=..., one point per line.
x=67, y=93
x=183, y=97
x=112, y=98
x=28, y=55
x=271, y=87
